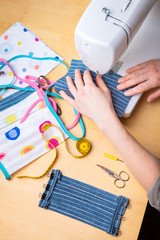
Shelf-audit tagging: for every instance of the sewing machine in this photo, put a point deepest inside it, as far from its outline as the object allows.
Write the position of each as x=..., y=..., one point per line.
x=104, y=33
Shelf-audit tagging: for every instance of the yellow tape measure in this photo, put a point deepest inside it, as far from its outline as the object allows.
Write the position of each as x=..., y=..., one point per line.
x=83, y=147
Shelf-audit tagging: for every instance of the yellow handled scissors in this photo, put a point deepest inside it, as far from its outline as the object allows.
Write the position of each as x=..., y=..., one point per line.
x=120, y=178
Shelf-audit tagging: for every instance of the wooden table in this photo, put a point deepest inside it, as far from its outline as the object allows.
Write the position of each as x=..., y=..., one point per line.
x=20, y=217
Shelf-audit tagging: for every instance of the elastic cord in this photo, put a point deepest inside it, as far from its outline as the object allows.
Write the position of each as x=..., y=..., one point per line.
x=39, y=90
x=4, y=61
x=18, y=88
x=83, y=146
x=35, y=58
x=47, y=170
x=79, y=143
x=30, y=109
x=60, y=121
x=34, y=84
x=5, y=172
x=47, y=101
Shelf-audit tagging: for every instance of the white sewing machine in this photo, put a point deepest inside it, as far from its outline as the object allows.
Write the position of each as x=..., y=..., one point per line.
x=106, y=29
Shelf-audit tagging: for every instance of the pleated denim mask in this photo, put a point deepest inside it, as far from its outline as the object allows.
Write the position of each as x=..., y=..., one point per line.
x=83, y=202
x=120, y=101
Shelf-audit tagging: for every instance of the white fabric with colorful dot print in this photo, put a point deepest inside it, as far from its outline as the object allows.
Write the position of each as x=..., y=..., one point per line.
x=19, y=40
x=21, y=143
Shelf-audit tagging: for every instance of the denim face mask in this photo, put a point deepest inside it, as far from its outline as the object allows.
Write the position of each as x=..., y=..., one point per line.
x=83, y=202
x=120, y=101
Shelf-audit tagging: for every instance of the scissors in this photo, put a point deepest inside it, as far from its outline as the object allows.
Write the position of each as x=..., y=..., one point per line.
x=119, y=181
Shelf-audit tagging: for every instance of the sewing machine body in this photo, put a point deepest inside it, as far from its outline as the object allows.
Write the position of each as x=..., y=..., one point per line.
x=106, y=29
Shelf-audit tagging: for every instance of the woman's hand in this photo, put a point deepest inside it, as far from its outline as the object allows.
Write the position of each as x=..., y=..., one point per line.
x=96, y=103
x=146, y=76
x=90, y=100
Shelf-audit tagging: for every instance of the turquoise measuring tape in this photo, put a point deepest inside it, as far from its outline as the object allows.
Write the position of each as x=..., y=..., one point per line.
x=46, y=95
x=35, y=58
x=11, y=81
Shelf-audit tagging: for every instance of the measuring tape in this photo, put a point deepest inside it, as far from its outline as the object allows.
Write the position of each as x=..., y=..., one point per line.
x=83, y=146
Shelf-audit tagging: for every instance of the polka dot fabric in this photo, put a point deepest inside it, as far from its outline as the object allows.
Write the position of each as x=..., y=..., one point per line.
x=20, y=144
x=19, y=40
x=24, y=141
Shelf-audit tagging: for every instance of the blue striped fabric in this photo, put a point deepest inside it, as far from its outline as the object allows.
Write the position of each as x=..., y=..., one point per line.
x=83, y=202
x=14, y=99
x=120, y=101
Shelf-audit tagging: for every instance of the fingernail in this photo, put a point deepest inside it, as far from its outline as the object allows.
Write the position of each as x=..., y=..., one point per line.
x=99, y=75
x=119, y=87
x=126, y=94
x=120, y=80
x=150, y=100
x=128, y=70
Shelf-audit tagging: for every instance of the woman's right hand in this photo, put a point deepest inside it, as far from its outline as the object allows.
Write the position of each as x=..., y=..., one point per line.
x=145, y=76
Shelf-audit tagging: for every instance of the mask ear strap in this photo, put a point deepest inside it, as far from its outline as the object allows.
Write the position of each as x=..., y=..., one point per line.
x=3, y=169
x=83, y=147
x=48, y=169
x=47, y=93
x=6, y=63
x=10, y=86
x=34, y=58
x=60, y=121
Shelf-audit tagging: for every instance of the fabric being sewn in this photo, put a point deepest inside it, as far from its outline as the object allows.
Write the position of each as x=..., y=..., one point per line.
x=120, y=101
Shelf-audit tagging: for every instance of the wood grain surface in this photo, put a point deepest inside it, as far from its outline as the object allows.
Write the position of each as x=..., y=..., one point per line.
x=20, y=217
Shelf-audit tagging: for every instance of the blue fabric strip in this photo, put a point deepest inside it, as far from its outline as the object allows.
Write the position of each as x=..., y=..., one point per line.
x=120, y=101
x=14, y=98
x=84, y=202
x=19, y=96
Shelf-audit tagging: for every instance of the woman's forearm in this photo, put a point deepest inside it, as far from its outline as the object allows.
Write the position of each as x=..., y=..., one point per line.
x=144, y=166
x=96, y=103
